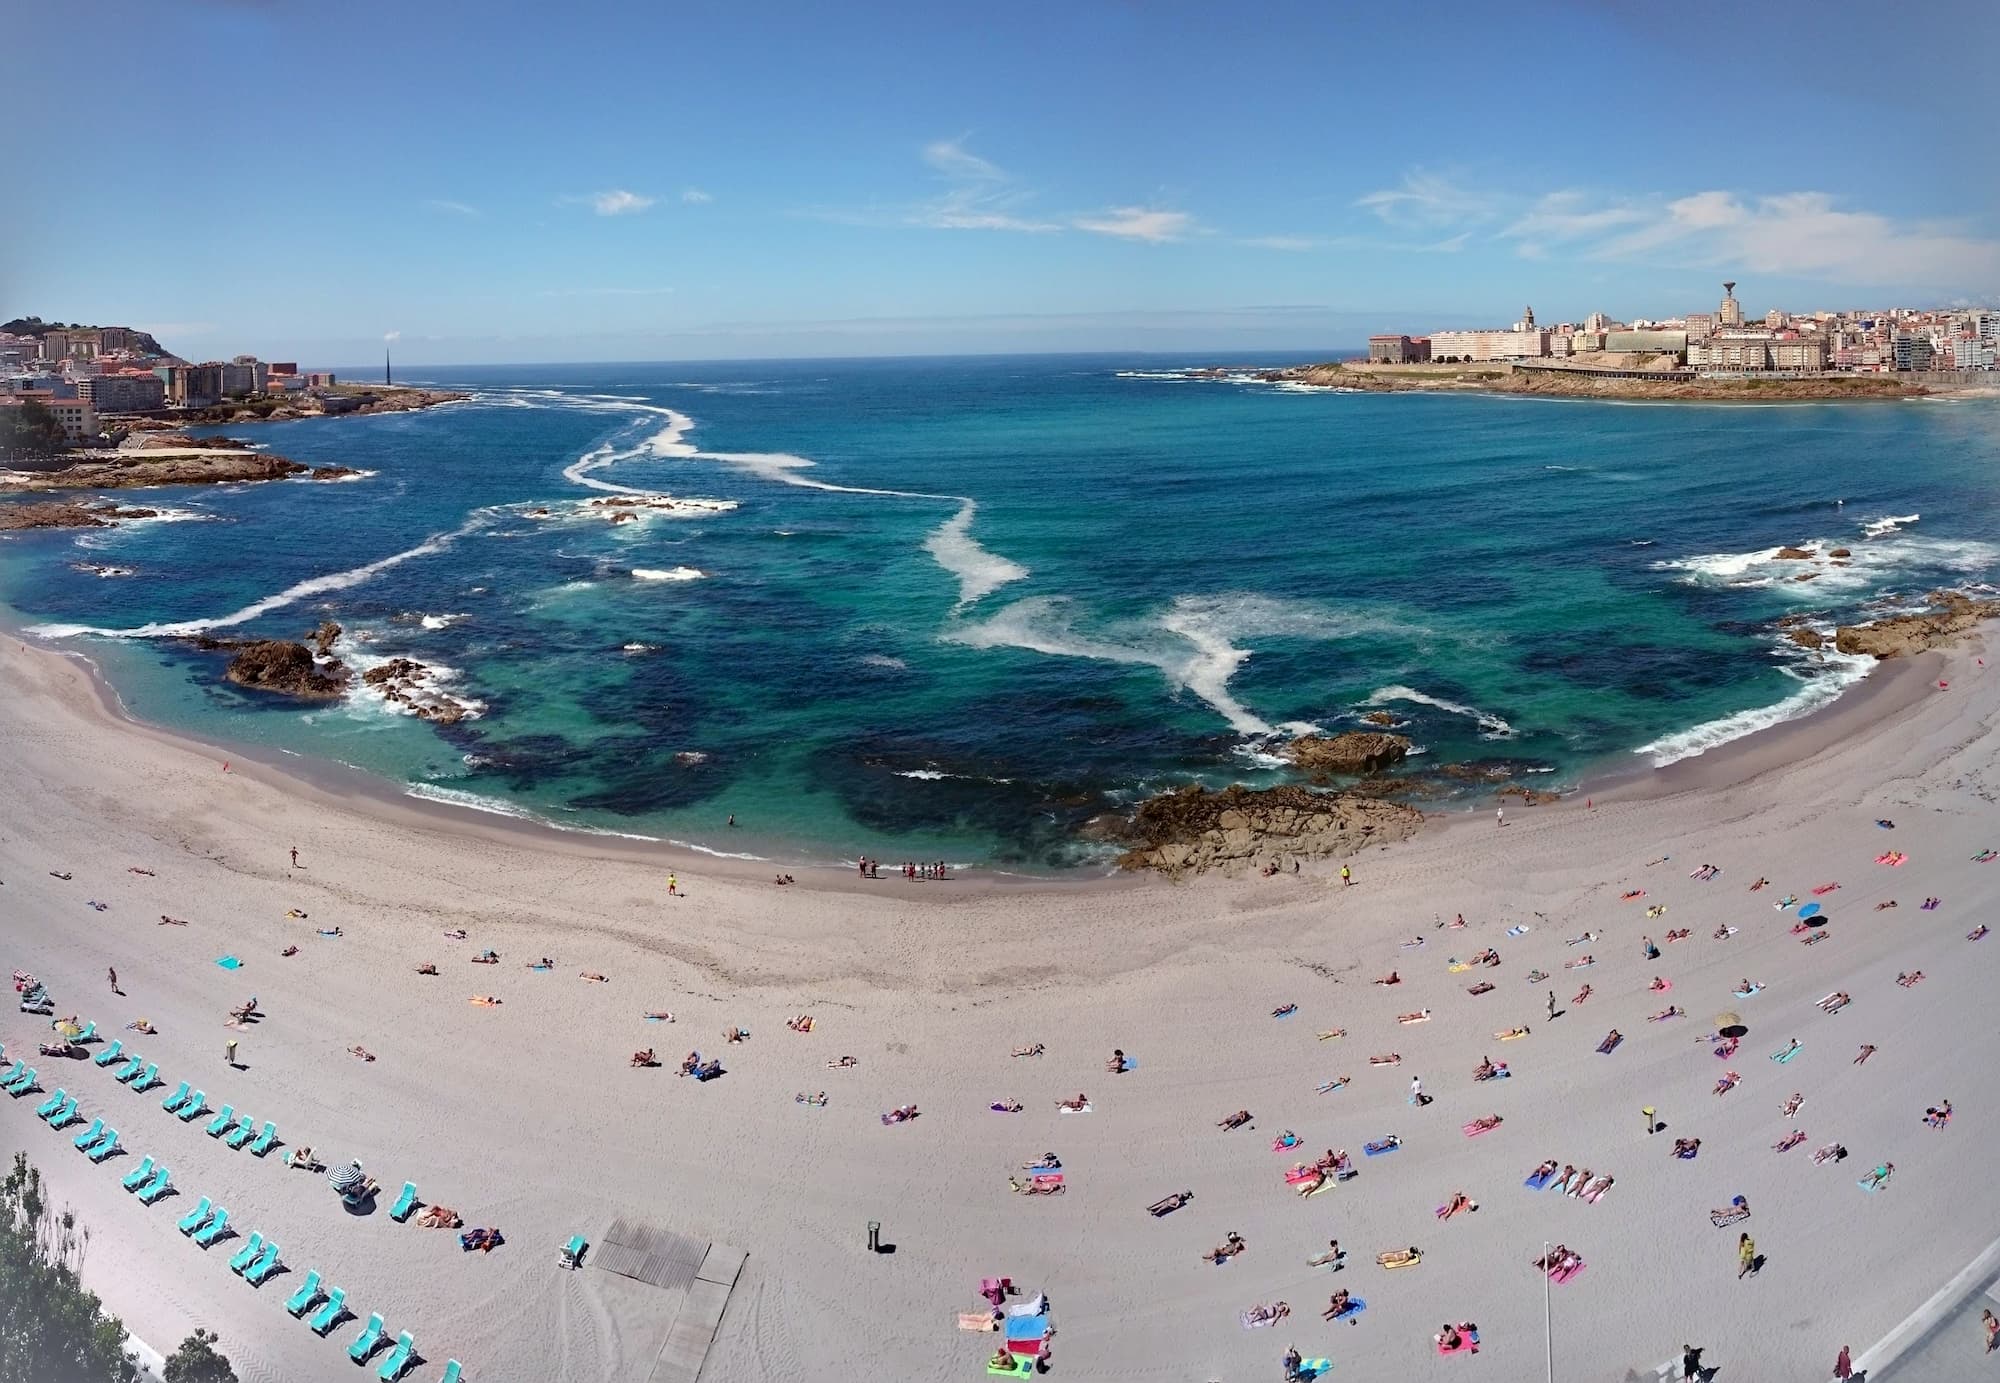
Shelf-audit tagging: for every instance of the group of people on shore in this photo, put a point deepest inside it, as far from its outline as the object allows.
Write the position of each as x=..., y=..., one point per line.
x=913, y=870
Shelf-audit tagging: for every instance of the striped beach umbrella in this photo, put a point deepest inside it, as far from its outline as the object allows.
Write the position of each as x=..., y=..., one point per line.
x=345, y=1179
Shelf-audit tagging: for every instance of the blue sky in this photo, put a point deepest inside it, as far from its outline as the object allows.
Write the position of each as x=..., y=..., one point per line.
x=505, y=181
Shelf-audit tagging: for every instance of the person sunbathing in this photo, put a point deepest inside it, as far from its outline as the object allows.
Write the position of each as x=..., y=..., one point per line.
x=1611, y=1039
x=295, y=914
x=1595, y=1189
x=901, y=1114
x=1391, y=978
x=1582, y=994
x=1686, y=1147
x=1035, y=1050
x=1563, y=1181
x=302, y=1159
x=1457, y=1203
x=455, y=934
x=802, y=1023
x=1791, y=1106
x=427, y=968
x=1659, y=986
x=1421, y=1015
x=289, y=951
x=998, y=1106
x=1835, y=1002
x=1552, y=1259
x=1547, y=1169
x=690, y=1063
x=1727, y=1083
x=845, y=1062
x=1682, y=935
x=1385, y=1059
x=1001, y=1362
x=658, y=1016
x=1336, y=1305
x=1670, y=1011
x=1448, y=1337
x=1077, y=1105
x=1761, y=883
x=487, y=958
x=734, y=1034
x=1723, y=932
x=1233, y=1121
x=144, y=1025
x=1229, y=1248
x=645, y=1058
x=1166, y=1205
x=1485, y=1070
x=166, y=921
x=1487, y=957
x=1399, y=1258
x=1048, y=1162
x=361, y=1052
x=1879, y=1176
x=593, y=976
x=1284, y=1010
x=439, y=1217
x=1485, y=1123
x=1904, y=980
x=1832, y=1152
x=1115, y=1063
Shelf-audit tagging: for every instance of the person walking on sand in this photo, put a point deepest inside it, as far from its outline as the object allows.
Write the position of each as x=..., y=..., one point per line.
x=1843, y=1367
x=1991, y=1326
x=295, y=857
x=1346, y=876
x=673, y=885
x=1552, y=1005
x=1416, y=1090
x=1690, y=1362
x=229, y=1051
x=1746, y=1255
x=113, y=974
x=1499, y=816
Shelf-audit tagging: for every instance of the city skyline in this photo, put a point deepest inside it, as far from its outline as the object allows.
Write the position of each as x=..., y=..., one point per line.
x=1101, y=178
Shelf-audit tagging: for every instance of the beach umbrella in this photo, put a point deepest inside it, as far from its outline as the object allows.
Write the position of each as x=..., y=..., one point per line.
x=345, y=1179
x=66, y=1030
x=1730, y=1025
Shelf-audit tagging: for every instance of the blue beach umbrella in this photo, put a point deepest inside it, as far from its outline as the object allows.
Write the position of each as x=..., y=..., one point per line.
x=1809, y=910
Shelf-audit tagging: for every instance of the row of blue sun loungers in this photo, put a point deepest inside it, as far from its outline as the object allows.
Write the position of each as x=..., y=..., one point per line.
x=257, y=1260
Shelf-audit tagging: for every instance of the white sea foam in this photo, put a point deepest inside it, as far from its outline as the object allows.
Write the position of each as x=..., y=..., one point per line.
x=1883, y=527
x=667, y=574
x=637, y=647
x=979, y=572
x=1867, y=565
x=317, y=585
x=883, y=660
x=1842, y=671
x=1192, y=642
x=929, y=775
x=441, y=621
x=1491, y=727
x=429, y=688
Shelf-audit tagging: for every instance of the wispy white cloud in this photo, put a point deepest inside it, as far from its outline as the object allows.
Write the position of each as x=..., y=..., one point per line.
x=1138, y=223
x=1427, y=200
x=450, y=207
x=978, y=194
x=615, y=202
x=392, y=336
x=695, y=196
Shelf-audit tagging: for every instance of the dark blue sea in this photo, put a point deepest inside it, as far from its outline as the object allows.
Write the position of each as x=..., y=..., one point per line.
x=951, y=609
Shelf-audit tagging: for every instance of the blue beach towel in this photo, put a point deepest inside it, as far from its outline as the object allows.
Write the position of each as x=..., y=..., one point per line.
x=229, y=962
x=1809, y=910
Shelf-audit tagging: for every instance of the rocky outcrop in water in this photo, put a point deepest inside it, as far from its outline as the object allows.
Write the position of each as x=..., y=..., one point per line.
x=275, y=665
x=138, y=468
x=1194, y=830
x=67, y=514
x=409, y=684
x=323, y=638
x=1793, y=554
x=1356, y=751
x=1806, y=638
x=1950, y=618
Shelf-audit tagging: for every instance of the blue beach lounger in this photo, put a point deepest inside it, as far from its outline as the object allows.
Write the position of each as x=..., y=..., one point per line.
x=329, y=1315
x=90, y=1135
x=196, y=1106
x=161, y=1183
x=173, y=1102
x=214, y=1229
x=21, y=1084
x=68, y=1114
x=452, y=1369
x=247, y=1255
x=399, y=1358
x=192, y=1221
x=264, y=1266
x=405, y=1203
x=106, y=1146
x=111, y=1053
x=307, y=1294
x=221, y=1122
x=52, y=1104
x=136, y=1178
x=128, y=1070
x=245, y=1127
x=146, y=1079
x=266, y=1140
x=365, y=1343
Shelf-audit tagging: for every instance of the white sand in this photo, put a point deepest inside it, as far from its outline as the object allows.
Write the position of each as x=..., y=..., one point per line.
x=526, y=1117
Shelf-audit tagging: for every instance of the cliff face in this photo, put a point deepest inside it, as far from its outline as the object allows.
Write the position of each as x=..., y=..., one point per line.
x=142, y=470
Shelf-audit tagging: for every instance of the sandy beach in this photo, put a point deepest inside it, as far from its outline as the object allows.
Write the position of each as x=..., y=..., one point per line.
x=527, y=1117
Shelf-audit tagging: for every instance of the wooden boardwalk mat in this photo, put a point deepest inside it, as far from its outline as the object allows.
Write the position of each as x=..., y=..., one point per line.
x=695, y=1279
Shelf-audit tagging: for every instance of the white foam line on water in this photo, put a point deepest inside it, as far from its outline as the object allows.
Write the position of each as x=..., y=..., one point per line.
x=291, y=595
x=1491, y=726
x=1843, y=671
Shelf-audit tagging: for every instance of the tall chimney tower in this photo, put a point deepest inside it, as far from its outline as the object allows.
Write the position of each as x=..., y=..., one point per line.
x=388, y=375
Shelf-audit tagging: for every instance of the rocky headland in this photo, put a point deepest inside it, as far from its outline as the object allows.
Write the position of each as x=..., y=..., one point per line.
x=138, y=470
x=68, y=514
x=1949, y=619
x=1355, y=752
x=341, y=400
x=310, y=671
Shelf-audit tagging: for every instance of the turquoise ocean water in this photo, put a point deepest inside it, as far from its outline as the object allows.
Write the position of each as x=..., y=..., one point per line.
x=953, y=608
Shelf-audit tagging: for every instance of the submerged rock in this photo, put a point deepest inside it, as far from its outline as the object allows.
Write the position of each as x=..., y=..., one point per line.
x=67, y=514
x=1806, y=638
x=1356, y=751
x=275, y=665
x=1949, y=619
x=1793, y=554
x=1195, y=830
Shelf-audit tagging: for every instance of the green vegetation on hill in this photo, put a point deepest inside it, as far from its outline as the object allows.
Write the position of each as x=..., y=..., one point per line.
x=51, y=1329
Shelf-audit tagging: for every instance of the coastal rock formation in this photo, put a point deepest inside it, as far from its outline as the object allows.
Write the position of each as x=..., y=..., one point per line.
x=275, y=665
x=1949, y=619
x=1356, y=751
x=1806, y=638
x=1840, y=552
x=333, y=472
x=412, y=686
x=1380, y=718
x=322, y=638
x=139, y=469
x=67, y=514
x=1195, y=830
x=1793, y=554
x=340, y=399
